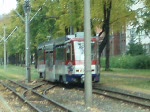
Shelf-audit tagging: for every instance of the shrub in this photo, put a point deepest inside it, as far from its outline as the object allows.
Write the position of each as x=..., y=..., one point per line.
x=142, y=62
x=128, y=61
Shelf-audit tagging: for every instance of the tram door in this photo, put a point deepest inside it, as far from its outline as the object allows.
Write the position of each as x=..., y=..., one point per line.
x=50, y=71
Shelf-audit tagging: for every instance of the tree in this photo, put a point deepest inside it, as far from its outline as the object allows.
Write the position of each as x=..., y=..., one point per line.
x=69, y=13
x=120, y=14
x=143, y=17
x=56, y=18
x=135, y=48
x=107, y=11
x=146, y=17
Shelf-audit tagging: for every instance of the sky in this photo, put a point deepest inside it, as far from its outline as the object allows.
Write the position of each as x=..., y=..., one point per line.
x=7, y=5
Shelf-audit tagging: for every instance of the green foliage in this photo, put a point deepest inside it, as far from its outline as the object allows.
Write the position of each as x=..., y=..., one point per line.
x=144, y=15
x=1, y=49
x=142, y=62
x=55, y=18
x=129, y=62
x=135, y=48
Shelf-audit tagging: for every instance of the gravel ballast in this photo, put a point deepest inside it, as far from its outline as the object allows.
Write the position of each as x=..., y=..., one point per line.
x=73, y=99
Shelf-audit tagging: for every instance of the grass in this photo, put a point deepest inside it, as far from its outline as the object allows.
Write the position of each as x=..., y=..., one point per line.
x=16, y=73
x=129, y=79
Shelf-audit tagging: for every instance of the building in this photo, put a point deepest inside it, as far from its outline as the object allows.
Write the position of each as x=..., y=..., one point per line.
x=119, y=42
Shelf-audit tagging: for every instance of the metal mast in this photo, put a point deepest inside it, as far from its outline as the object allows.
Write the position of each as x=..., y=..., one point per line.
x=27, y=38
x=87, y=41
x=4, y=47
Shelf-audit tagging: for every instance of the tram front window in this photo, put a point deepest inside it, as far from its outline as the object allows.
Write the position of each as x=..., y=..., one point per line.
x=79, y=50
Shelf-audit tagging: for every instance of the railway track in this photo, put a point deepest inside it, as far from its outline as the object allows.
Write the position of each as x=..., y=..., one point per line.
x=38, y=102
x=37, y=96
x=126, y=97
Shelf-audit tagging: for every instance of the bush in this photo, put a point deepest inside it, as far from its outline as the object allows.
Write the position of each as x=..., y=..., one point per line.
x=142, y=62
x=127, y=61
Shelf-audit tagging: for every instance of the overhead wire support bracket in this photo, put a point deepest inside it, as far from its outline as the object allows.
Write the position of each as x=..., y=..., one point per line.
x=19, y=15
x=11, y=33
x=2, y=39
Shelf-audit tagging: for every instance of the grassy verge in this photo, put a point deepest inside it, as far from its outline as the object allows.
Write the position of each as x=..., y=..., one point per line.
x=128, y=62
x=16, y=73
x=129, y=79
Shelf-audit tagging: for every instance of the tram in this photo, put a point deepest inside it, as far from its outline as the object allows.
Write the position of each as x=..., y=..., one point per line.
x=62, y=59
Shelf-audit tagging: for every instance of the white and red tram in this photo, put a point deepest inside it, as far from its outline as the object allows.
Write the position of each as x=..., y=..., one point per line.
x=63, y=60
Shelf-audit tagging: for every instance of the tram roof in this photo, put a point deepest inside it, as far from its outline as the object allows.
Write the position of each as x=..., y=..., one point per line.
x=60, y=41
x=46, y=45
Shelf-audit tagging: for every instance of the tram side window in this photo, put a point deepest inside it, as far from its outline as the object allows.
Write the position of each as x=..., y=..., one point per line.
x=60, y=53
x=40, y=54
x=49, y=59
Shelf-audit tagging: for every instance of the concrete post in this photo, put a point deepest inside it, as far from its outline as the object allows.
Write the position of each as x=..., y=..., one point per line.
x=87, y=40
x=27, y=40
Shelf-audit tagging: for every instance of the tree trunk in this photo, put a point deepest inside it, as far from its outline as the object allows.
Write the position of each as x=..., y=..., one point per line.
x=67, y=31
x=106, y=28
x=17, y=58
x=107, y=67
x=21, y=59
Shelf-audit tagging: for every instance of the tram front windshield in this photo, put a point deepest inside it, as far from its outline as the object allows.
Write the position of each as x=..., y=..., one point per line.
x=79, y=50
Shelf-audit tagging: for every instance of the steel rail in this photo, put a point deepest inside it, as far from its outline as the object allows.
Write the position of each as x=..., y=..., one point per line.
x=99, y=91
x=121, y=93
x=35, y=87
x=43, y=96
x=54, y=102
x=22, y=98
x=44, y=93
x=23, y=86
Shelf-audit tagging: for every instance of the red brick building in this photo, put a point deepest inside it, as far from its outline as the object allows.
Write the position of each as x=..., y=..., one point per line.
x=117, y=44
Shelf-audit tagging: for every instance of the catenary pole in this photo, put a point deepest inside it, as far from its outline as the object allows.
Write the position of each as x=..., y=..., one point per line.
x=27, y=21
x=87, y=40
x=5, y=40
x=27, y=40
x=4, y=47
